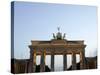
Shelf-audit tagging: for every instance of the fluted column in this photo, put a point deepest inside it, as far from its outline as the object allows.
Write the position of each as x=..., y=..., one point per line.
x=82, y=60
x=74, y=61
x=52, y=61
x=42, y=65
x=30, y=67
x=64, y=62
x=34, y=60
x=26, y=67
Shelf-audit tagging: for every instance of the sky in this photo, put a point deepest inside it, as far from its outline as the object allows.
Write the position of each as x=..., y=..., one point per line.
x=37, y=21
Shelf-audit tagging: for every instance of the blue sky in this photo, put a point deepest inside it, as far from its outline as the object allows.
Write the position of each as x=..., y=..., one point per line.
x=37, y=21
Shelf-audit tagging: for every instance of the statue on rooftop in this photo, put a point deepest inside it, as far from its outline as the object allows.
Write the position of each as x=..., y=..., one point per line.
x=64, y=35
x=54, y=36
x=58, y=35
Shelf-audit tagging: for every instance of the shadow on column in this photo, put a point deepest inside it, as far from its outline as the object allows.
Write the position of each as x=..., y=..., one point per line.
x=77, y=67
x=47, y=69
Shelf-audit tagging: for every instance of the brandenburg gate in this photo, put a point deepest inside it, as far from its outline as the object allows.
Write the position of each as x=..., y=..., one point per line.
x=57, y=46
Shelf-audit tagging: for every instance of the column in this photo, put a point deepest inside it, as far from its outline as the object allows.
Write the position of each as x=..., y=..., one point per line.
x=74, y=67
x=30, y=67
x=64, y=62
x=52, y=61
x=42, y=65
x=82, y=60
x=26, y=66
x=34, y=60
